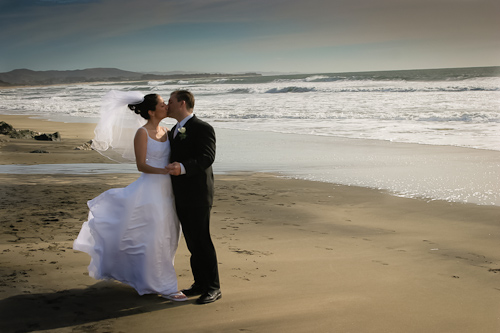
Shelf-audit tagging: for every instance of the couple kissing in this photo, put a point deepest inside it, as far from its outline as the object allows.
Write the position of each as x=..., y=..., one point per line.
x=132, y=233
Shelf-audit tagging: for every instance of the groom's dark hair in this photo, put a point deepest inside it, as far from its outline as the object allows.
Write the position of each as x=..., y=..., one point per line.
x=186, y=96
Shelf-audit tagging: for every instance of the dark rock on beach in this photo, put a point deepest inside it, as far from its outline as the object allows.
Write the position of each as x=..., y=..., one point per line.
x=5, y=128
x=48, y=137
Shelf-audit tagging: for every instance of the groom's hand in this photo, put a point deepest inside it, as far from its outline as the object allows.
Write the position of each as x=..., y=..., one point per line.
x=174, y=169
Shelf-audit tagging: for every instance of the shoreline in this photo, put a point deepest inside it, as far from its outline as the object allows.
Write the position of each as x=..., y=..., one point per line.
x=294, y=256
x=429, y=172
x=92, y=121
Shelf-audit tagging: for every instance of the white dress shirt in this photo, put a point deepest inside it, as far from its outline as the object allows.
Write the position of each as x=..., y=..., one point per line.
x=179, y=125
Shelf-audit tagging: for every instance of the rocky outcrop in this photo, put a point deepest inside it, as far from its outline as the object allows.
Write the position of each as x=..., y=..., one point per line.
x=7, y=129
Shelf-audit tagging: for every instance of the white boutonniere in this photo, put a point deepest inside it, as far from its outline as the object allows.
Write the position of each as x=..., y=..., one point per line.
x=182, y=133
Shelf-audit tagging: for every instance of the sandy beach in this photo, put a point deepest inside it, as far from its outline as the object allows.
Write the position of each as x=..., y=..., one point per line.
x=295, y=255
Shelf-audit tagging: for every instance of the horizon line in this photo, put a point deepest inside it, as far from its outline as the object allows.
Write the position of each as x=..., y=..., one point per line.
x=246, y=72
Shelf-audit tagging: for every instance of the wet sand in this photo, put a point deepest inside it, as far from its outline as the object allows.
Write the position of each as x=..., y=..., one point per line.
x=295, y=256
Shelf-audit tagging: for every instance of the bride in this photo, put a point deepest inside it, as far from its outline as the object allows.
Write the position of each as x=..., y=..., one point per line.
x=132, y=233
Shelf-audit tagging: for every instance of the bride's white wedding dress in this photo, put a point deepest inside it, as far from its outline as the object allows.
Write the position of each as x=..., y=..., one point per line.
x=132, y=233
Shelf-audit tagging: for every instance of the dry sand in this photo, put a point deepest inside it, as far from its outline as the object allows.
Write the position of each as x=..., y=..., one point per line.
x=295, y=256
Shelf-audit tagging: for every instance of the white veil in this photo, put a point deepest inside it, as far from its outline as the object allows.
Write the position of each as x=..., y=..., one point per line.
x=114, y=134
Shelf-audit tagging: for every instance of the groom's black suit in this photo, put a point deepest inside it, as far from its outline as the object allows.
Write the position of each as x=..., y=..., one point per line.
x=193, y=191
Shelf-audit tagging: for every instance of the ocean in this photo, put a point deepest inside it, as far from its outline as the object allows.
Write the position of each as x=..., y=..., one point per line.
x=424, y=109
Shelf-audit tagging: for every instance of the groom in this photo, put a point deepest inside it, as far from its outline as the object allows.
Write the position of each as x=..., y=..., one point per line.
x=192, y=143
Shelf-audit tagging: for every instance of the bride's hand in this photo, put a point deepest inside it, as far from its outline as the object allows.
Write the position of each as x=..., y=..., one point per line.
x=174, y=169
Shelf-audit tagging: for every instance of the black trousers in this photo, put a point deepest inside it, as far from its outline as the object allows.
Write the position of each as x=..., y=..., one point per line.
x=195, y=223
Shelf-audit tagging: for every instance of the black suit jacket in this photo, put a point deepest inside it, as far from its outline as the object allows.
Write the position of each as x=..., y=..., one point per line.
x=195, y=149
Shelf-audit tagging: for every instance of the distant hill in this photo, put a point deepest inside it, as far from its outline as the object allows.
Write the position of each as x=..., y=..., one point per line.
x=30, y=77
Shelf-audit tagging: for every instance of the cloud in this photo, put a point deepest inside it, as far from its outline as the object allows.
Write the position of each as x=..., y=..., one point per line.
x=278, y=27
x=339, y=21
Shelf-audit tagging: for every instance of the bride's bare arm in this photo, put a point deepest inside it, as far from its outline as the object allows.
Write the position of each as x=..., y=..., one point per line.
x=140, y=148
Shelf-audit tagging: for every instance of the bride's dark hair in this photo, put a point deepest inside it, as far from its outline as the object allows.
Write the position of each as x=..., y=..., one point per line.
x=149, y=103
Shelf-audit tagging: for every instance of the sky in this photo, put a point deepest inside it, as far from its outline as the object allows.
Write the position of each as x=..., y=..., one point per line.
x=233, y=36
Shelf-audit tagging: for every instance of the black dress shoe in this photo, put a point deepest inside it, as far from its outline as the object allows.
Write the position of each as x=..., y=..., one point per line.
x=209, y=297
x=194, y=290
